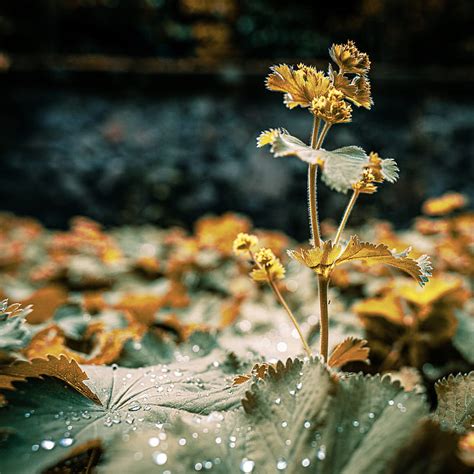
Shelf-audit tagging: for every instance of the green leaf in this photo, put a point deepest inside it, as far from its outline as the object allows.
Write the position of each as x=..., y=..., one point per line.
x=343, y=167
x=151, y=350
x=45, y=419
x=72, y=320
x=298, y=417
x=464, y=337
x=455, y=409
x=14, y=331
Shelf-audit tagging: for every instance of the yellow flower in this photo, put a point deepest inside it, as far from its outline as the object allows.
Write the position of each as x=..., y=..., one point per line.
x=356, y=90
x=244, y=242
x=376, y=171
x=269, y=136
x=265, y=258
x=349, y=58
x=269, y=266
x=332, y=107
x=300, y=85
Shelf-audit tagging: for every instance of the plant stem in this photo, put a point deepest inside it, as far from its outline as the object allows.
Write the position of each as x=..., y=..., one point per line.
x=322, y=136
x=290, y=314
x=346, y=215
x=323, y=284
x=312, y=198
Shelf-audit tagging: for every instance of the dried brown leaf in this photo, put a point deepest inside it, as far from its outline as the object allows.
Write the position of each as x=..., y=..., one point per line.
x=349, y=350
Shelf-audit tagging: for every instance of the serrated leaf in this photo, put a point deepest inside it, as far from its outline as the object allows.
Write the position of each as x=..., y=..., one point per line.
x=463, y=340
x=62, y=368
x=343, y=167
x=373, y=254
x=455, y=408
x=298, y=419
x=349, y=350
x=14, y=332
x=132, y=399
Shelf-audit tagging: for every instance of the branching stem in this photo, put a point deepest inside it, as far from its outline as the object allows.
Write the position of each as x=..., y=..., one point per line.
x=346, y=215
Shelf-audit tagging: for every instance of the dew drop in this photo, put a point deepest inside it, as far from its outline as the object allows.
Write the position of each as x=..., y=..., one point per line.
x=355, y=423
x=371, y=415
x=277, y=401
x=247, y=465
x=391, y=402
x=307, y=424
x=182, y=441
x=218, y=440
x=160, y=458
x=305, y=462
x=134, y=406
x=86, y=415
x=198, y=466
x=299, y=386
x=47, y=444
x=281, y=464
x=66, y=442
x=114, y=366
x=108, y=421
x=208, y=465
x=35, y=447
x=321, y=454
x=284, y=424
x=153, y=442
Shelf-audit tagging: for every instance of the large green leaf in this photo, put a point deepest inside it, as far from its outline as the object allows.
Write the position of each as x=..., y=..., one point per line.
x=45, y=419
x=300, y=418
x=455, y=408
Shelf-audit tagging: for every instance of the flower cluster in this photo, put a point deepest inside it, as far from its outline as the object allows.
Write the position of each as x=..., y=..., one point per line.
x=267, y=265
x=326, y=95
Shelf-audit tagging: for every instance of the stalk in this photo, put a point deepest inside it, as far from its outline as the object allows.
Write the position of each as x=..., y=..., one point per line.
x=312, y=197
x=323, y=284
x=282, y=301
x=346, y=215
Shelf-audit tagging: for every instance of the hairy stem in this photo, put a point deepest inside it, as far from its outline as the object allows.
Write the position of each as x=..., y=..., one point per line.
x=346, y=215
x=322, y=136
x=323, y=284
x=282, y=301
x=312, y=197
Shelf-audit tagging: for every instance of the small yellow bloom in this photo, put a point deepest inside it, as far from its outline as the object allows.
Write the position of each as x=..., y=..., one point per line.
x=356, y=90
x=376, y=171
x=244, y=242
x=265, y=258
x=349, y=58
x=332, y=107
x=300, y=85
x=268, y=136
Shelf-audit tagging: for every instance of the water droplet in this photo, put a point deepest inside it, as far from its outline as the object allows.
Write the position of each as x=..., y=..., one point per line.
x=321, y=454
x=340, y=429
x=292, y=392
x=114, y=366
x=288, y=442
x=134, y=406
x=391, y=402
x=305, y=462
x=129, y=418
x=108, y=421
x=355, y=423
x=160, y=458
x=218, y=440
x=86, y=415
x=284, y=424
x=278, y=401
x=153, y=442
x=247, y=465
x=182, y=441
x=208, y=465
x=281, y=464
x=371, y=415
x=35, y=447
x=196, y=348
x=299, y=386
x=198, y=466
x=282, y=347
x=66, y=442
x=178, y=373
x=47, y=444
x=307, y=424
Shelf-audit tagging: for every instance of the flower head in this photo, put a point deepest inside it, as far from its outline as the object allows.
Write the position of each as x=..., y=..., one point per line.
x=331, y=107
x=268, y=266
x=356, y=90
x=244, y=242
x=376, y=171
x=300, y=85
x=349, y=58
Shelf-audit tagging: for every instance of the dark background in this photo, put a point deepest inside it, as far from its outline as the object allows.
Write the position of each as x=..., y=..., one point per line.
x=148, y=110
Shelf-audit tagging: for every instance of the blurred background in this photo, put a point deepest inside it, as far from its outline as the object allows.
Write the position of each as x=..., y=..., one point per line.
x=134, y=111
